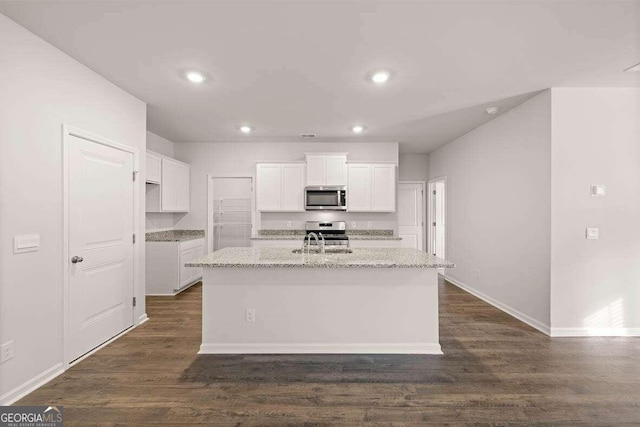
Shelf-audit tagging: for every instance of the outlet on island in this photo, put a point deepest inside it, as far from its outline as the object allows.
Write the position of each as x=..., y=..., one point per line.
x=250, y=315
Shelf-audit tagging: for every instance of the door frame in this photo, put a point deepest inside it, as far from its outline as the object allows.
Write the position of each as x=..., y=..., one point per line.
x=67, y=133
x=210, y=178
x=423, y=184
x=430, y=215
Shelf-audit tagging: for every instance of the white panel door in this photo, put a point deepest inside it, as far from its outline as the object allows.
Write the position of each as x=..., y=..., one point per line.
x=293, y=177
x=336, y=170
x=359, y=187
x=439, y=220
x=268, y=187
x=100, y=234
x=410, y=214
x=316, y=170
x=383, y=188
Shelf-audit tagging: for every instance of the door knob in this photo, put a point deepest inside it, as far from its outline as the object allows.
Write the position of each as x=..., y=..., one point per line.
x=76, y=259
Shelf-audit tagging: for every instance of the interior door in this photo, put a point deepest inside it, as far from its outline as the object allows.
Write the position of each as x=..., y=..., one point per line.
x=410, y=211
x=439, y=219
x=101, y=224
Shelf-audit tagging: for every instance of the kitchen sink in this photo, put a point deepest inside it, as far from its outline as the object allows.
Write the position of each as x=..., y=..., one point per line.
x=326, y=252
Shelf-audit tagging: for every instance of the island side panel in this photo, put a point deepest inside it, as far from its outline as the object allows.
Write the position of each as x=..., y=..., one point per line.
x=320, y=310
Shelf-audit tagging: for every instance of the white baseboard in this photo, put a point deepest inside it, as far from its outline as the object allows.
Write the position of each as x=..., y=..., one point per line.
x=34, y=383
x=308, y=348
x=545, y=329
x=142, y=319
x=595, y=332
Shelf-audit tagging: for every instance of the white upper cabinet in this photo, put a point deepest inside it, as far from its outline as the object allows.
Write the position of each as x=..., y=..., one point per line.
x=280, y=187
x=371, y=187
x=153, y=168
x=326, y=169
x=174, y=186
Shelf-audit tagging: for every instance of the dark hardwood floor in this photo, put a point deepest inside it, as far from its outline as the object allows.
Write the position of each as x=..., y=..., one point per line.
x=495, y=371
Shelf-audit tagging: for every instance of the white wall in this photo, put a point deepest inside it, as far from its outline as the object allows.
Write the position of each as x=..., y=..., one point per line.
x=413, y=167
x=42, y=88
x=499, y=208
x=159, y=144
x=595, y=284
x=239, y=159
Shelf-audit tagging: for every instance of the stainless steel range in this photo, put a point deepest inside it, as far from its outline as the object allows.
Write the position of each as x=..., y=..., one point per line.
x=325, y=234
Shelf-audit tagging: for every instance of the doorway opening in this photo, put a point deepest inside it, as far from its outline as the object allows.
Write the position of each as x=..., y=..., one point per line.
x=437, y=217
x=230, y=212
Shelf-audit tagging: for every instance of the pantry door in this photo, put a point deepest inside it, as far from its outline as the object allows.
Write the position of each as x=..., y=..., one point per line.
x=100, y=257
x=411, y=214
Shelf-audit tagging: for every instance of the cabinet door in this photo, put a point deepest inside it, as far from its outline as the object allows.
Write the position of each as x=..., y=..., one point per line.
x=182, y=188
x=383, y=197
x=268, y=187
x=316, y=170
x=293, y=176
x=359, y=187
x=169, y=201
x=336, y=170
x=153, y=168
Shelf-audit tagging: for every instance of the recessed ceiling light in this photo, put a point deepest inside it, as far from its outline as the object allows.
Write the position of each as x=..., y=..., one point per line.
x=245, y=129
x=634, y=68
x=492, y=110
x=195, y=77
x=357, y=129
x=381, y=76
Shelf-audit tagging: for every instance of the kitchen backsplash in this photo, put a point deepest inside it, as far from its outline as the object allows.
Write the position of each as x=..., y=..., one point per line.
x=354, y=220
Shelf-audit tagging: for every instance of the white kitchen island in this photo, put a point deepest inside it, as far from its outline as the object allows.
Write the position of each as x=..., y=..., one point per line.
x=271, y=300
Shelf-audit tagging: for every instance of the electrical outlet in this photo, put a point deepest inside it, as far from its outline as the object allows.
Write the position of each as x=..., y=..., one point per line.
x=7, y=351
x=288, y=224
x=250, y=315
x=369, y=224
x=478, y=274
x=354, y=224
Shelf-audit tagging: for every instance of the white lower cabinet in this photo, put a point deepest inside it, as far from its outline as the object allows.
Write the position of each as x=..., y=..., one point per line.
x=166, y=273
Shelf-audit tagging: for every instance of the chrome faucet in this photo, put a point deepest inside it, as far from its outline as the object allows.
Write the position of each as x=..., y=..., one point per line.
x=323, y=243
x=308, y=240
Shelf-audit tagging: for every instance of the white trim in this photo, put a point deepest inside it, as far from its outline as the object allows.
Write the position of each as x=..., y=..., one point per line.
x=162, y=156
x=595, y=332
x=143, y=318
x=67, y=132
x=346, y=348
x=425, y=197
x=34, y=383
x=429, y=206
x=509, y=310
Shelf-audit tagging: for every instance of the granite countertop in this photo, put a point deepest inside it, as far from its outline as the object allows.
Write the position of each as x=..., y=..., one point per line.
x=284, y=257
x=299, y=235
x=174, y=235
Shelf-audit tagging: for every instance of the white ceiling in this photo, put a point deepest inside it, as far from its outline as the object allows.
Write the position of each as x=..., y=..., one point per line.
x=299, y=67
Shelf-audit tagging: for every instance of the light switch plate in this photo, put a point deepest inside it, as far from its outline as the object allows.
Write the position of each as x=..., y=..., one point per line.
x=593, y=233
x=598, y=190
x=26, y=243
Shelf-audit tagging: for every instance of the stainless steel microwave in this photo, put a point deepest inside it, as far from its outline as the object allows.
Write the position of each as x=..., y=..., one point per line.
x=322, y=198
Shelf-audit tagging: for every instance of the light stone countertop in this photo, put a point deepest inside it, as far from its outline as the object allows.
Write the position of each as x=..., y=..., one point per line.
x=285, y=258
x=299, y=235
x=174, y=235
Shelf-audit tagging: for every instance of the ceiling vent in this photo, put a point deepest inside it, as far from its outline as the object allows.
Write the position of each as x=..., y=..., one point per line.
x=307, y=135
